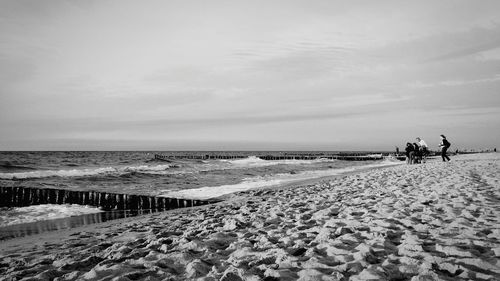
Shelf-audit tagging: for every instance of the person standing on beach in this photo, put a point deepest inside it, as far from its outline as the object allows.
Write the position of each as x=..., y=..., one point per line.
x=444, y=145
x=409, y=152
x=424, y=149
x=416, y=153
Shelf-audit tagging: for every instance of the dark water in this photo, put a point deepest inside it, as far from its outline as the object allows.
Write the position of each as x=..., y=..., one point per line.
x=139, y=173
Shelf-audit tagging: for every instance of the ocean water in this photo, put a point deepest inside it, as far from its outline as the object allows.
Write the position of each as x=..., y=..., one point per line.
x=139, y=173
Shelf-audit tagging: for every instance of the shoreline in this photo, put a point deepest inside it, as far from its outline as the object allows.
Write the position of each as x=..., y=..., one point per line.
x=301, y=183
x=336, y=172
x=37, y=227
x=434, y=221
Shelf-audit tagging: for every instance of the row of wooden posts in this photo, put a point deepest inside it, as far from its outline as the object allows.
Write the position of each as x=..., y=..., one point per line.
x=17, y=196
x=272, y=157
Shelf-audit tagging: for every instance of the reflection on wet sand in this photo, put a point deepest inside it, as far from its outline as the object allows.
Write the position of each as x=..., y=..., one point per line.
x=26, y=229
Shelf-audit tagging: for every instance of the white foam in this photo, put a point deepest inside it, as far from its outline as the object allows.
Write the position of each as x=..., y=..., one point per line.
x=35, y=213
x=266, y=181
x=57, y=173
x=146, y=168
x=254, y=161
x=249, y=162
x=83, y=172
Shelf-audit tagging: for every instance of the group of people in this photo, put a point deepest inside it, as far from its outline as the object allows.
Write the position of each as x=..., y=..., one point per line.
x=418, y=151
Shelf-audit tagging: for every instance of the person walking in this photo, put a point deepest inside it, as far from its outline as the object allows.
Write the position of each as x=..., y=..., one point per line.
x=444, y=145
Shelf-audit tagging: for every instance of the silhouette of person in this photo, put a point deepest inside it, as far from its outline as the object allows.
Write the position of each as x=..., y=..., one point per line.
x=445, y=144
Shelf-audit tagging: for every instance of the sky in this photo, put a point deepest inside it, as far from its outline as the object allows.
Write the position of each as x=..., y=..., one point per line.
x=248, y=75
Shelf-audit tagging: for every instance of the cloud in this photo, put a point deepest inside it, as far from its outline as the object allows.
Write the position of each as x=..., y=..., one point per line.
x=455, y=83
x=262, y=69
x=468, y=51
x=439, y=47
x=490, y=55
x=481, y=112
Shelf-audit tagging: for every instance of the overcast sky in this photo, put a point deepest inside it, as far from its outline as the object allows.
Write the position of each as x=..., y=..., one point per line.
x=338, y=75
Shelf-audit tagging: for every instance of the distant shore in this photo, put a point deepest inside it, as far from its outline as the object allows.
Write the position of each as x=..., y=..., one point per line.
x=433, y=221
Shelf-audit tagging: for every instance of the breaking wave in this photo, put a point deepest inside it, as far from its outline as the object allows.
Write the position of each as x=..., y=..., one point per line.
x=84, y=172
x=18, y=215
x=254, y=161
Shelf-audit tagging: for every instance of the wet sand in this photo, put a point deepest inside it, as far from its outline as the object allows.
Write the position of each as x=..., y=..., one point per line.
x=436, y=221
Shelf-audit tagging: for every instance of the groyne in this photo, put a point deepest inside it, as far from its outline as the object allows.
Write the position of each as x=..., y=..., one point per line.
x=356, y=157
x=17, y=196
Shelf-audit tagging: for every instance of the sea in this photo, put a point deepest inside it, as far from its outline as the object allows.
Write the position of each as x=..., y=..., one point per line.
x=138, y=172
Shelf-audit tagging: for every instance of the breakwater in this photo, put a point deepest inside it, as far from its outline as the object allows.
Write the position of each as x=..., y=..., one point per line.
x=17, y=196
x=354, y=157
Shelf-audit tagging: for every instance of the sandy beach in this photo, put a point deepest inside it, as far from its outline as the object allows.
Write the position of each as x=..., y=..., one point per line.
x=435, y=221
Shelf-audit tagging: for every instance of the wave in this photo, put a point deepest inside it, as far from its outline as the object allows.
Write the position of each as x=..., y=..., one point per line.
x=7, y=166
x=266, y=181
x=85, y=172
x=254, y=161
x=20, y=172
x=203, y=166
x=19, y=215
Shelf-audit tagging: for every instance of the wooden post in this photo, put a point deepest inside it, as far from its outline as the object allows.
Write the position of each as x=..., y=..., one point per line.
x=52, y=196
x=24, y=196
x=35, y=194
x=25, y=200
x=126, y=202
x=160, y=204
x=174, y=203
x=3, y=195
x=120, y=202
x=152, y=203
